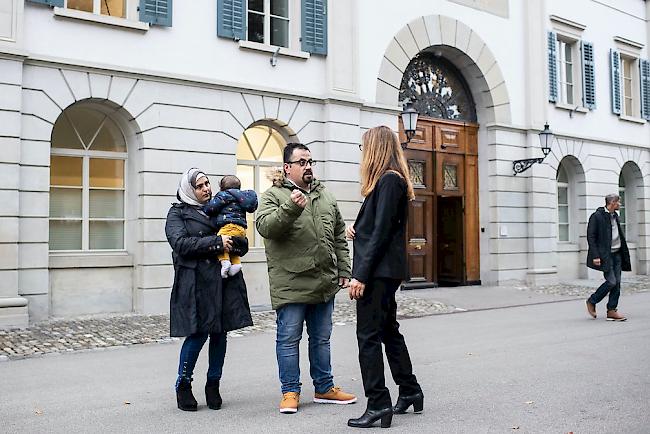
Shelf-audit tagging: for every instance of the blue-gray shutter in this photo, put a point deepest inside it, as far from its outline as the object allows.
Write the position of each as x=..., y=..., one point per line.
x=644, y=69
x=615, y=80
x=588, y=75
x=58, y=3
x=231, y=19
x=552, y=67
x=156, y=12
x=314, y=26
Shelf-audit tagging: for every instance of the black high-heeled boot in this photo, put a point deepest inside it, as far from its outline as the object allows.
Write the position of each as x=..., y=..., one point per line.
x=184, y=397
x=371, y=416
x=405, y=401
x=212, y=396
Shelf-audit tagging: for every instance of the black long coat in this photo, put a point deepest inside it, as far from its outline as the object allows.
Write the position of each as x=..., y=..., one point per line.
x=599, y=237
x=380, y=231
x=201, y=301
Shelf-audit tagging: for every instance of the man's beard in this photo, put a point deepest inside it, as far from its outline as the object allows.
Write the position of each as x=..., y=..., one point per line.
x=307, y=177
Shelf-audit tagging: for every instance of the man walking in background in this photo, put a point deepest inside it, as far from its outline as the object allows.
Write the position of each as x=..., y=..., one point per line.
x=608, y=253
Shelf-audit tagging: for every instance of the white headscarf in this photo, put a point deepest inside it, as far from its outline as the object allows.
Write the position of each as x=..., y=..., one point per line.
x=185, y=192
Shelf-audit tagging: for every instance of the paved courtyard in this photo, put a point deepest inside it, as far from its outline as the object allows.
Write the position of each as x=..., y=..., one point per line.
x=98, y=332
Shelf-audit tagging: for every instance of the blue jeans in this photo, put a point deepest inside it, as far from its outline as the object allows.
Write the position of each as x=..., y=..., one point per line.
x=289, y=320
x=190, y=354
x=612, y=284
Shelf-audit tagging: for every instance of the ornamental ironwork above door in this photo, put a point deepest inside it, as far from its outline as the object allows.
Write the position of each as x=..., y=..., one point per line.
x=436, y=88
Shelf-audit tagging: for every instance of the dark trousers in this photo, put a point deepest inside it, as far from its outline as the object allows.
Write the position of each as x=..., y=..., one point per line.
x=612, y=284
x=377, y=324
x=190, y=354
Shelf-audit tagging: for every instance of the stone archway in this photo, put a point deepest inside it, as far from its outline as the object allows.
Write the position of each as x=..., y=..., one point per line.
x=460, y=45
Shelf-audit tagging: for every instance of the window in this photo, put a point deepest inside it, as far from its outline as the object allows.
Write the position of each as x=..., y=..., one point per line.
x=87, y=181
x=621, y=193
x=563, y=204
x=259, y=150
x=566, y=66
x=113, y=8
x=571, y=69
x=298, y=27
x=268, y=22
x=630, y=88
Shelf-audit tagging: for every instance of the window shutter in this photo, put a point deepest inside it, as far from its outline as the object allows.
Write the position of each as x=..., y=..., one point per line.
x=552, y=67
x=156, y=12
x=615, y=77
x=58, y=3
x=314, y=26
x=644, y=69
x=231, y=19
x=588, y=75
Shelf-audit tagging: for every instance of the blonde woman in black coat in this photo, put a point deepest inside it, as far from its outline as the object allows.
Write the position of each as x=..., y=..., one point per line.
x=379, y=267
x=203, y=305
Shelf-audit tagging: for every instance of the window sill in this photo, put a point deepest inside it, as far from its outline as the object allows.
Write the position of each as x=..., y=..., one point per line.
x=271, y=49
x=568, y=107
x=90, y=259
x=102, y=19
x=633, y=119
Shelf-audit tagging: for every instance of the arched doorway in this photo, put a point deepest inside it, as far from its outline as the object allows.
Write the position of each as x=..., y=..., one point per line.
x=443, y=230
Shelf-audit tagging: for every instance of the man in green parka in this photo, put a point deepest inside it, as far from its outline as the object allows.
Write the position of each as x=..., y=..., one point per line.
x=308, y=261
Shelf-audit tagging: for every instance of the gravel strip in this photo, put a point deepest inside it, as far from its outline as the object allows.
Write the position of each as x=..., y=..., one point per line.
x=92, y=333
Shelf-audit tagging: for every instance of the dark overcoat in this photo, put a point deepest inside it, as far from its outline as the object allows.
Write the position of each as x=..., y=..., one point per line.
x=201, y=301
x=599, y=238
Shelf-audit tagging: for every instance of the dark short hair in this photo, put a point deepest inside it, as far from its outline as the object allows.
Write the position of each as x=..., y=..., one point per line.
x=288, y=150
x=229, y=181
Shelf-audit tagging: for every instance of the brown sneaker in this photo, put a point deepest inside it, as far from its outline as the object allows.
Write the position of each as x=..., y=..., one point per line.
x=335, y=396
x=289, y=403
x=613, y=315
x=591, y=308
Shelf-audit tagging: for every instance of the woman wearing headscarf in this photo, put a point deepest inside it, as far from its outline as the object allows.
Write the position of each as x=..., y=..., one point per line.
x=378, y=269
x=202, y=305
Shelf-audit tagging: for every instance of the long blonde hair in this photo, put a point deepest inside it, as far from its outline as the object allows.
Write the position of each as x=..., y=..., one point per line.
x=382, y=153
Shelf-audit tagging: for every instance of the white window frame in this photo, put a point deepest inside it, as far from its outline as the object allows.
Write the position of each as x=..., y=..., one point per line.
x=563, y=67
x=86, y=156
x=131, y=9
x=622, y=212
x=630, y=64
x=267, y=23
x=564, y=185
x=259, y=166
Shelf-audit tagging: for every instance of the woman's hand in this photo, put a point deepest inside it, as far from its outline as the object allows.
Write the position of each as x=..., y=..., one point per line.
x=226, y=240
x=349, y=232
x=355, y=289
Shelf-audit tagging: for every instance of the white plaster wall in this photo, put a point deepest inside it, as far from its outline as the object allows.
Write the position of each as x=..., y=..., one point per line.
x=190, y=48
x=605, y=20
x=383, y=19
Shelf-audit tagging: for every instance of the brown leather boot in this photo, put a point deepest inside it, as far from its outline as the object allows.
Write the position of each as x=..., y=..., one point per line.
x=591, y=308
x=613, y=315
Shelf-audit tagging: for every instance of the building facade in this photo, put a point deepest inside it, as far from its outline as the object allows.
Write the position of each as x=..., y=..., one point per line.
x=103, y=104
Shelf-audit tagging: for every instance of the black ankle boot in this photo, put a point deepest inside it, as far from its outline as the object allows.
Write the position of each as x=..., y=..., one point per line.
x=405, y=401
x=184, y=397
x=372, y=416
x=212, y=396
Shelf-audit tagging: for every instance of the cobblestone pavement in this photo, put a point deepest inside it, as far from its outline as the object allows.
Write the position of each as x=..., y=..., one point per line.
x=110, y=331
x=629, y=285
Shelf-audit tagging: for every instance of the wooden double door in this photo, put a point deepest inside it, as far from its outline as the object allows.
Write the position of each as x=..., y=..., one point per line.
x=443, y=227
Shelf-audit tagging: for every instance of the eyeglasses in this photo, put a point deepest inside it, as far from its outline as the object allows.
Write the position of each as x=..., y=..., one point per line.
x=303, y=162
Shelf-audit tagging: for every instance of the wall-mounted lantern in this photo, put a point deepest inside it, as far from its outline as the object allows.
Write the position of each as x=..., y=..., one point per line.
x=409, y=122
x=546, y=141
